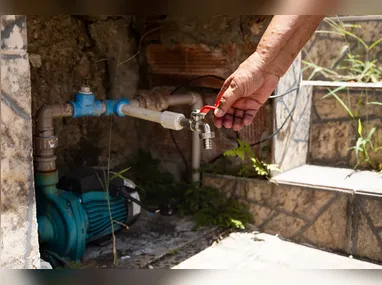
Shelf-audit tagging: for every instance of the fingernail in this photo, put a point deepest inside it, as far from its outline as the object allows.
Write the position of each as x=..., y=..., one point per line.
x=218, y=113
x=247, y=122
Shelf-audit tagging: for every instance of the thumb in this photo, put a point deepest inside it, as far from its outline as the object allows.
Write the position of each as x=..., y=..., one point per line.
x=230, y=95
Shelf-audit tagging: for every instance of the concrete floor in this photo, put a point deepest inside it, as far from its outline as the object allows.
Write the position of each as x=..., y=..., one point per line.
x=162, y=242
x=262, y=251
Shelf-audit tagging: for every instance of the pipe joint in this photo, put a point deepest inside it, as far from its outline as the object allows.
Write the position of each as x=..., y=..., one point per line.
x=119, y=107
x=85, y=104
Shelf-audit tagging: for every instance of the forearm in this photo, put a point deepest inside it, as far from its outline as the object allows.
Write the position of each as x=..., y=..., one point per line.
x=284, y=38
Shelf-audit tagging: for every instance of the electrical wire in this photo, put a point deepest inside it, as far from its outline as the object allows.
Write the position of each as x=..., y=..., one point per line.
x=283, y=94
x=179, y=150
x=290, y=114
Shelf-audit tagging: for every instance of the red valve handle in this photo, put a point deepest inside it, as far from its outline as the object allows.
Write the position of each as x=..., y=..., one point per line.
x=208, y=108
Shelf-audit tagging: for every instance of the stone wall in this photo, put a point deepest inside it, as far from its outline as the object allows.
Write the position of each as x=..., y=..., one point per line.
x=333, y=131
x=19, y=241
x=179, y=49
x=345, y=222
x=67, y=51
x=324, y=49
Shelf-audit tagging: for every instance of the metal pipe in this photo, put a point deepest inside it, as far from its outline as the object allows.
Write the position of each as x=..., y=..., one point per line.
x=196, y=151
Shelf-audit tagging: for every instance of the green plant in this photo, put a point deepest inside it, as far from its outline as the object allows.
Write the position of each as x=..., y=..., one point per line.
x=363, y=146
x=349, y=66
x=211, y=207
x=243, y=151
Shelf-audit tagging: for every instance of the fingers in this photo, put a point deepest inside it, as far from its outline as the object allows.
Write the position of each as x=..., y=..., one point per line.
x=249, y=116
x=218, y=121
x=238, y=120
x=228, y=118
x=231, y=92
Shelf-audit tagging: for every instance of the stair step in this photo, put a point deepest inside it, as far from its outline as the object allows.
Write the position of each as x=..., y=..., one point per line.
x=332, y=178
x=262, y=251
x=333, y=209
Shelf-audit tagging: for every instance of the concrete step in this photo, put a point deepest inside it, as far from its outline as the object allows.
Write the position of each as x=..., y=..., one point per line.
x=334, y=209
x=262, y=251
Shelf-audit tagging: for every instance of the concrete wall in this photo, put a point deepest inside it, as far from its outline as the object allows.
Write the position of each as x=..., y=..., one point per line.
x=19, y=242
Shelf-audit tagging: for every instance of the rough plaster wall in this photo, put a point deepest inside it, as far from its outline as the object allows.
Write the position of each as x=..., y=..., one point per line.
x=66, y=52
x=19, y=241
x=203, y=45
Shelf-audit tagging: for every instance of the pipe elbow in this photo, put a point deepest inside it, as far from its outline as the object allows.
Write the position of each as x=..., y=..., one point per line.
x=197, y=100
x=47, y=113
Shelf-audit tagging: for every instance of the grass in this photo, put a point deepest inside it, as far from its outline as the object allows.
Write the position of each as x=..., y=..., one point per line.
x=353, y=64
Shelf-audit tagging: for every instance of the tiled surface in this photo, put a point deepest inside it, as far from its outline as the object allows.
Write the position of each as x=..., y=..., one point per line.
x=330, y=217
x=333, y=178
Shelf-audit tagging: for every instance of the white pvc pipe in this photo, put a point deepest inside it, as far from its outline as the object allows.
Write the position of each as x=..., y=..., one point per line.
x=195, y=101
x=141, y=113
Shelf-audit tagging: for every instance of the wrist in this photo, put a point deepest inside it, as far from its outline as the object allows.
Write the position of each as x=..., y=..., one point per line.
x=256, y=62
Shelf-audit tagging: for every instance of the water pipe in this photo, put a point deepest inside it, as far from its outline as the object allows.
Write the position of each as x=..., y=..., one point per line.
x=160, y=100
x=45, y=141
x=145, y=107
x=170, y=120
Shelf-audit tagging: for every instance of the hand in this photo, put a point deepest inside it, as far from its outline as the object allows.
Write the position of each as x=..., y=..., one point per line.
x=244, y=92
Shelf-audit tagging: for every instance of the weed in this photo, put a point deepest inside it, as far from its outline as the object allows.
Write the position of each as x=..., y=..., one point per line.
x=209, y=206
x=349, y=66
x=260, y=168
x=363, y=146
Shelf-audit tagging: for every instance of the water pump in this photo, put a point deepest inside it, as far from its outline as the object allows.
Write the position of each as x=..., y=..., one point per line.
x=76, y=210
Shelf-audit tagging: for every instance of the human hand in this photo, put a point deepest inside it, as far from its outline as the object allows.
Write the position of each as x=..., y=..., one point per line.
x=244, y=92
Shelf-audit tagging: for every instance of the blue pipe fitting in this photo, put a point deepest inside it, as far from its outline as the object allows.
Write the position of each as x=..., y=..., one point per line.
x=118, y=108
x=86, y=105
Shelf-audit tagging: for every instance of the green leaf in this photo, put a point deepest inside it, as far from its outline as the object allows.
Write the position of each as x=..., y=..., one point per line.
x=332, y=92
x=374, y=44
x=375, y=103
x=371, y=133
x=118, y=174
x=360, y=128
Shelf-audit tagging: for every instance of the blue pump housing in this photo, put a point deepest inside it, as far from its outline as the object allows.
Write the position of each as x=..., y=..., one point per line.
x=74, y=211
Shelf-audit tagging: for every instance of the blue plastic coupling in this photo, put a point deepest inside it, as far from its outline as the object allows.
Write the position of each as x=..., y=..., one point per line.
x=85, y=104
x=118, y=108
